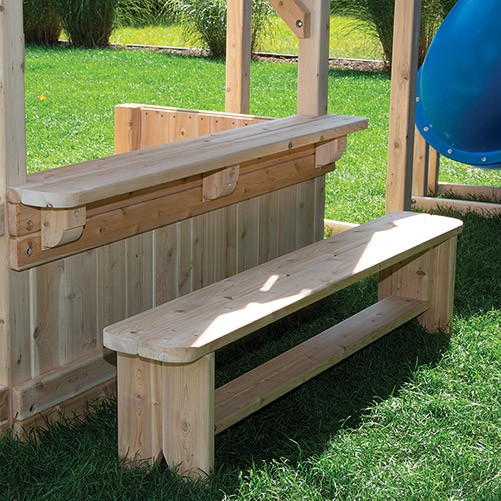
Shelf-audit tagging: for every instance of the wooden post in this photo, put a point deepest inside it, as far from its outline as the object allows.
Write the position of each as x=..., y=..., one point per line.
x=12, y=171
x=402, y=105
x=313, y=61
x=238, y=56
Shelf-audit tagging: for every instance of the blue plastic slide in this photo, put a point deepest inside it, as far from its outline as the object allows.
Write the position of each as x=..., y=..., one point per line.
x=458, y=108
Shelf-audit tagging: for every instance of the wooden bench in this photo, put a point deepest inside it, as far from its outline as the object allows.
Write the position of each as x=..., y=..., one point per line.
x=166, y=396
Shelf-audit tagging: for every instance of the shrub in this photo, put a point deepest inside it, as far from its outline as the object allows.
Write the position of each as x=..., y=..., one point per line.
x=377, y=16
x=41, y=21
x=204, y=21
x=140, y=13
x=89, y=23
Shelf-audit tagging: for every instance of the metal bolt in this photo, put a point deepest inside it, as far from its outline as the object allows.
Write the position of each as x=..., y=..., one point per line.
x=299, y=23
x=29, y=251
x=450, y=150
x=418, y=99
x=426, y=129
x=484, y=159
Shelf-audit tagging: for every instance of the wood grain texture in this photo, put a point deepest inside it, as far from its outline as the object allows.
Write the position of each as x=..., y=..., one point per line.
x=188, y=416
x=238, y=55
x=313, y=61
x=63, y=383
x=139, y=409
x=402, y=105
x=439, y=316
x=13, y=317
x=94, y=180
x=219, y=314
x=427, y=203
x=48, y=317
x=264, y=384
x=4, y=403
x=75, y=406
x=80, y=284
x=295, y=15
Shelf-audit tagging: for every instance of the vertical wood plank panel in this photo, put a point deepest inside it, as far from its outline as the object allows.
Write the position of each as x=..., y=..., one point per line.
x=318, y=224
x=433, y=170
x=154, y=128
x=248, y=234
x=81, y=305
x=111, y=285
x=209, y=250
x=305, y=213
x=19, y=327
x=139, y=273
x=48, y=318
x=165, y=269
x=127, y=128
x=287, y=220
x=268, y=227
x=197, y=251
x=184, y=257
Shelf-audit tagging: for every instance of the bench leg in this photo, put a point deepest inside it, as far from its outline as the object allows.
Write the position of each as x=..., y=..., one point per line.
x=439, y=316
x=139, y=408
x=188, y=416
x=428, y=277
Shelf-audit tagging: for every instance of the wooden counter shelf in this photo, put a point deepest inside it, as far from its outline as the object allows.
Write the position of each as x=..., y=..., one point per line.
x=73, y=208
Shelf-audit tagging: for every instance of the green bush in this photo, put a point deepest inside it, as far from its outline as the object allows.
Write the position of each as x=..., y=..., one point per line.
x=88, y=23
x=204, y=21
x=377, y=16
x=41, y=21
x=141, y=13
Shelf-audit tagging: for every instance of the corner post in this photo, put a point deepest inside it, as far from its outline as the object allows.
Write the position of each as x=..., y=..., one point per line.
x=238, y=56
x=313, y=61
x=402, y=105
x=12, y=171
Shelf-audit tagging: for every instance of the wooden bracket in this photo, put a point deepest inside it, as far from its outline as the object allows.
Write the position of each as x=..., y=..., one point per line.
x=220, y=184
x=295, y=15
x=60, y=226
x=329, y=152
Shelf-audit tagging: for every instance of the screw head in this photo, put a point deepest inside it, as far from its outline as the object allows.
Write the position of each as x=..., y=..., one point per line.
x=450, y=151
x=484, y=159
x=299, y=23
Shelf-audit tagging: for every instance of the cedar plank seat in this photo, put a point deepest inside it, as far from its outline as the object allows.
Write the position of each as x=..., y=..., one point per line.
x=81, y=184
x=167, y=401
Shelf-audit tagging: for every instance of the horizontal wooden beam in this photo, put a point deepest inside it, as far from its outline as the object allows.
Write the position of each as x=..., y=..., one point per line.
x=75, y=406
x=264, y=384
x=466, y=190
x=338, y=226
x=430, y=203
x=295, y=15
x=43, y=392
x=145, y=211
x=97, y=180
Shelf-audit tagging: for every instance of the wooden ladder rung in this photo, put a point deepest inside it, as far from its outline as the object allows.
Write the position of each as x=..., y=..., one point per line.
x=255, y=389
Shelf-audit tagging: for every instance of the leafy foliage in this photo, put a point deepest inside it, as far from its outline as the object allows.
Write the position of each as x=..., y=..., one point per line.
x=205, y=21
x=377, y=17
x=141, y=13
x=41, y=21
x=89, y=23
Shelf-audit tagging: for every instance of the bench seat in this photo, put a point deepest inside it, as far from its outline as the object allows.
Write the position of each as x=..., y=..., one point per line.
x=414, y=255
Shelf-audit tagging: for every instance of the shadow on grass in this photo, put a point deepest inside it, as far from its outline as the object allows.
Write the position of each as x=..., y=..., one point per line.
x=301, y=423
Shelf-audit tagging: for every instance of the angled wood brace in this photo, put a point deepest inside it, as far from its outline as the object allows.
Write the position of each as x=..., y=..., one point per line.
x=61, y=226
x=329, y=152
x=295, y=15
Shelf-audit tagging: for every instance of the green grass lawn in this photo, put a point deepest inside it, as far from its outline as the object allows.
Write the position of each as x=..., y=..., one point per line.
x=411, y=417
x=345, y=39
